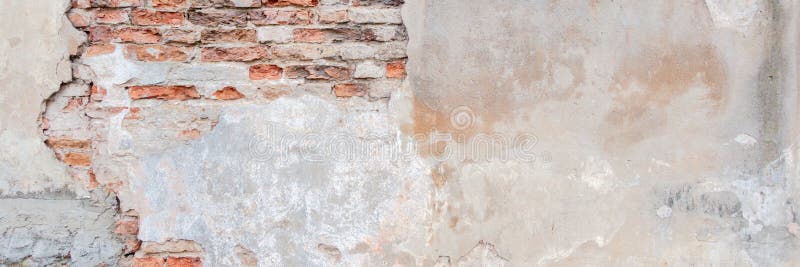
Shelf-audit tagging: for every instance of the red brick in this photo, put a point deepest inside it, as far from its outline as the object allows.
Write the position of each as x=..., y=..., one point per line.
x=111, y=16
x=115, y=3
x=396, y=69
x=163, y=92
x=169, y=3
x=336, y=16
x=67, y=142
x=228, y=36
x=148, y=262
x=280, y=17
x=184, y=262
x=320, y=72
x=274, y=3
x=215, y=54
x=97, y=50
x=349, y=90
x=265, y=72
x=92, y=184
x=158, y=53
x=138, y=35
x=127, y=227
x=78, y=19
x=77, y=159
x=228, y=93
x=153, y=17
x=216, y=17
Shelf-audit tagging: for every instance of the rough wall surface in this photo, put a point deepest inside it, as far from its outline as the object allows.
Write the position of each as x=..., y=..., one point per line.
x=286, y=133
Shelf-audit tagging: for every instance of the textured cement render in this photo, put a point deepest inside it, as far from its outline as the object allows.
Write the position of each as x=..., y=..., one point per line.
x=662, y=133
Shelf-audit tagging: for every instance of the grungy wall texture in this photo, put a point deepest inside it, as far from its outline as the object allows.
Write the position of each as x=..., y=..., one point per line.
x=390, y=132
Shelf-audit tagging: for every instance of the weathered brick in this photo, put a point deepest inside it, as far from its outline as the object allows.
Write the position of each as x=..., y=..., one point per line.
x=333, y=16
x=388, y=33
x=228, y=93
x=216, y=17
x=369, y=69
x=265, y=72
x=396, y=69
x=148, y=262
x=280, y=17
x=101, y=34
x=115, y=3
x=376, y=16
x=155, y=17
x=228, y=36
x=181, y=36
x=304, y=51
x=391, y=51
x=68, y=142
x=157, y=53
x=330, y=35
x=169, y=3
x=97, y=50
x=81, y=4
x=127, y=227
x=356, y=51
x=78, y=18
x=277, y=3
x=350, y=89
x=184, y=262
x=77, y=159
x=111, y=16
x=274, y=34
x=379, y=89
x=318, y=72
x=97, y=93
x=376, y=2
x=163, y=92
x=138, y=35
x=225, y=3
x=245, y=54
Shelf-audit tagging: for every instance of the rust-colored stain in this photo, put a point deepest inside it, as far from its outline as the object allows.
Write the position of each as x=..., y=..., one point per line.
x=646, y=84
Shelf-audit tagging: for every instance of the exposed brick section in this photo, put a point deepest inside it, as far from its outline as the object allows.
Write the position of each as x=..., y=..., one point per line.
x=155, y=17
x=228, y=93
x=246, y=54
x=163, y=92
x=280, y=17
x=157, y=53
x=253, y=51
x=228, y=36
x=184, y=262
x=265, y=72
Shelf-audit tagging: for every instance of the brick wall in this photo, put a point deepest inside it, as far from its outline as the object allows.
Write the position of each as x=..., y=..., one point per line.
x=207, y=55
